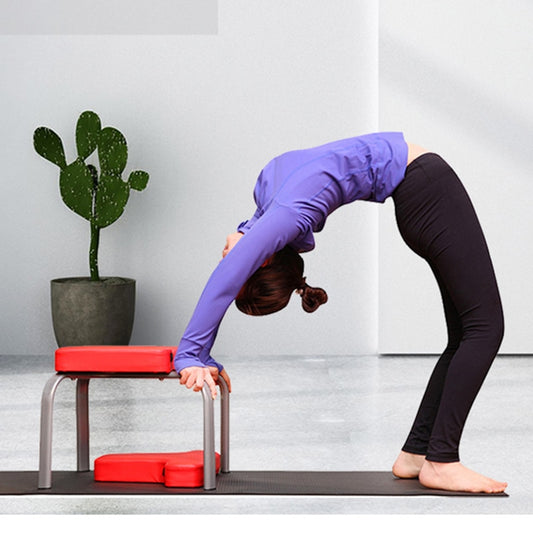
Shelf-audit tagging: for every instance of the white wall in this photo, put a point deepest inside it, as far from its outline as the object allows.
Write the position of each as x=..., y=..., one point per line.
x=202, y=114
x=457, y=77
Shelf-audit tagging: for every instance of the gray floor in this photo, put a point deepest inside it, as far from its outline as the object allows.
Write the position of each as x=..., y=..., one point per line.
x=297, y=413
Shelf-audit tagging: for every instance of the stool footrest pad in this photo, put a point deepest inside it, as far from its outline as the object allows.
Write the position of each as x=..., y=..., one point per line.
x=180, y=469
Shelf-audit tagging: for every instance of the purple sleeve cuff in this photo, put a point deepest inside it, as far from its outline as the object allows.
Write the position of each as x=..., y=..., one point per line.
x=186, y=357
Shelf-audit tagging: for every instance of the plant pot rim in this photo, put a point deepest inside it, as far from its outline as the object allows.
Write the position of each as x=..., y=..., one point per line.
x=104, y=280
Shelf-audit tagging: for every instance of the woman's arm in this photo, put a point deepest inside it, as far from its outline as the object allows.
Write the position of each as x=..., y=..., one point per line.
x=277, y=227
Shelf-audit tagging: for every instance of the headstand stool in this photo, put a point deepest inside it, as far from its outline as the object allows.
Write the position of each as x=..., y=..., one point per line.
x=83, y=363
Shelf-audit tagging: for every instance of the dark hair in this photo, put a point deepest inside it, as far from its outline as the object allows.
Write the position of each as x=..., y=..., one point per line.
x=270, y=288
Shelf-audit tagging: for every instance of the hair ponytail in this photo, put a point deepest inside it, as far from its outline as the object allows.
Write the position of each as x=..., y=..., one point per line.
x=312, y=297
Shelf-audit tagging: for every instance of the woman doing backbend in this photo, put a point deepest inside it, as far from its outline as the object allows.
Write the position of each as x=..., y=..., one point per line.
x=262, y=267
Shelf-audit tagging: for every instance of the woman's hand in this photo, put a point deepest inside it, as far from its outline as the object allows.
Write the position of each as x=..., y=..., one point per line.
x=231, y=241
x=194, y=377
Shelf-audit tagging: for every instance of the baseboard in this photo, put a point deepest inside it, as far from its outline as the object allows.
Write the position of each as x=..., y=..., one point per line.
x=419, y=354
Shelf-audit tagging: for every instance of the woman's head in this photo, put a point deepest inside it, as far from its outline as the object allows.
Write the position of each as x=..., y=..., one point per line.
x=270, y=288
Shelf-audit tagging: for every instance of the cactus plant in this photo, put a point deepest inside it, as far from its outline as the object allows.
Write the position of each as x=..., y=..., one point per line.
x=99, y=196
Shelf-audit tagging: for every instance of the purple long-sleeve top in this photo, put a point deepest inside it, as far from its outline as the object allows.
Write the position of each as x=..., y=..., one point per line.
x=294, y=195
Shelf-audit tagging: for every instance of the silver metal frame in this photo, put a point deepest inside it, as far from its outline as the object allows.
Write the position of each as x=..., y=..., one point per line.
x=82, y=423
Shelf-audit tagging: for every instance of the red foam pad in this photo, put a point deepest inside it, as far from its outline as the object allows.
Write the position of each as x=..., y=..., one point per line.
x=157, y=359
x=188, y=472
x=181, y=469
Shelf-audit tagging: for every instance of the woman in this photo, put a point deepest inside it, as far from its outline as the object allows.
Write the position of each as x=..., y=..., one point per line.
x=261, y=268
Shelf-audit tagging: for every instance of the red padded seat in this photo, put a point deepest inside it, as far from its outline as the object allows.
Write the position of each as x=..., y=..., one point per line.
x=181, y=469
x=156, y=359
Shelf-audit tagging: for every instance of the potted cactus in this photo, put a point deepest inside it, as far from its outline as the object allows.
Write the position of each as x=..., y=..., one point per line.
x=92, y=310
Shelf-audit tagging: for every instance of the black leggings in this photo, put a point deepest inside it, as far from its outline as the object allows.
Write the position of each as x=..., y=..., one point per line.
x=438, y=222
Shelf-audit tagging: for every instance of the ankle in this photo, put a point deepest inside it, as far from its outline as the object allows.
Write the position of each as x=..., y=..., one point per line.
x=440, y=465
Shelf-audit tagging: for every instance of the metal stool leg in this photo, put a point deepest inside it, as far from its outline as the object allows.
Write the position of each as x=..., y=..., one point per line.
x=224, y=426
x=82, y=424
x=45, y=445
x=209, y=440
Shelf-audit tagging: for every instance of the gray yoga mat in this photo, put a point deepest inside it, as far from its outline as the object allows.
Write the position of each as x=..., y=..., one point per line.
x=302, y=483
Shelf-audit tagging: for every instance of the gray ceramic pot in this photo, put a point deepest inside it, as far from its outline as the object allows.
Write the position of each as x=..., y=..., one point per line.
x=86, y=312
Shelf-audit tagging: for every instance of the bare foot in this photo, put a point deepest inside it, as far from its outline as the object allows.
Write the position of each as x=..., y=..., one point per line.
x=408, y=465
x=456, y=477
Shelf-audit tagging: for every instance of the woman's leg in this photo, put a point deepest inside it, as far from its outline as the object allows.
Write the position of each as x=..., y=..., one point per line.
x=437, y=220
x=418, y=439
x=414, y=450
